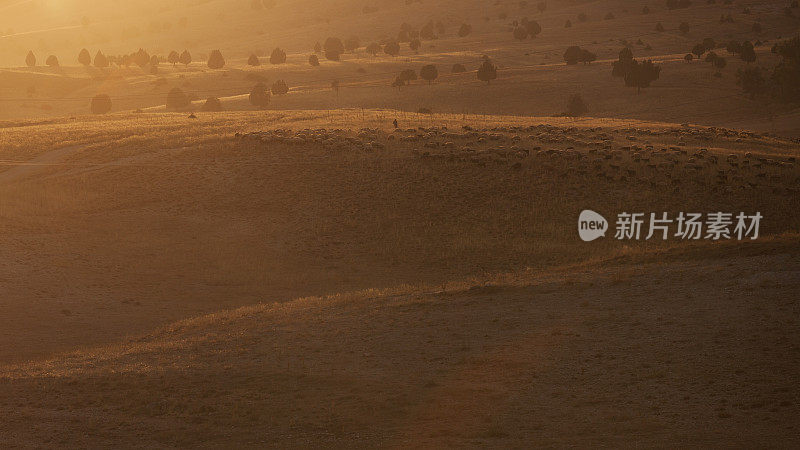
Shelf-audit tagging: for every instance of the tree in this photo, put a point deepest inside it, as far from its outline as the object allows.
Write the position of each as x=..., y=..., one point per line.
x=414, y=45
x=464, y=30
x=747, y=52
x=408, y=75
x=576, y=106
x=216, y=60
x=154, y=61
x=458, y=68
x=212, y=104
x=711, y=56
x=786, y=75
x=622, y=65
x=52, y=61
x=709, y=43
x=101, y=104
x=532, y=27
x=698, y=50
x=173, y=58
x=259, y=96
x=317, y=48
x=751, y=80
x=641, y=75
x=541, y=6
x=30, y=60
x=646, y=10
x=100, y=60
x=186, y=58
x=141, y=58
x=659, y=27
x=333, y=49
x=689, y=57
x=733, y=47
x=392, y=48
x=427, y=31
x=313, y=60
x=373, y=48
x=521, y=33
x=587, y=57
x=487, y=71
x=177, y=99
x=429, y=73
x=253, y=60
x=572, y=55
x=352, y=43
x=280, y=88
x=278, y=56
x=84, y=58
x=719, y=63
x=398, y=83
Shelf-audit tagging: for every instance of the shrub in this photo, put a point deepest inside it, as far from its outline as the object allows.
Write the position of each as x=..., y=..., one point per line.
x=373, y=48
x=259, y=96
x=458, y=68
x=465, y=30
x=52, y=61
x=177, y=99
x=101, y=104
x=253, y=60
x=30, y=59
x=216, y=60
x=520, y=33
x=313, y=60
x=212, y=104
x=414, y=45
x=659, y=27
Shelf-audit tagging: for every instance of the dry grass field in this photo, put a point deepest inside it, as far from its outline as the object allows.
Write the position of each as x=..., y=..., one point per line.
x=309, y=274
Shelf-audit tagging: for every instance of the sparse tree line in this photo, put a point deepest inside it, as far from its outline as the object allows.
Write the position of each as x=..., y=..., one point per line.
x=486, y=72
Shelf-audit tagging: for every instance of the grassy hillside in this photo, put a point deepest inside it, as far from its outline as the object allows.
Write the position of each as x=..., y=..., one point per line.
x=116, y=226
x=679, y=352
